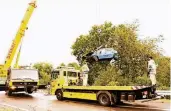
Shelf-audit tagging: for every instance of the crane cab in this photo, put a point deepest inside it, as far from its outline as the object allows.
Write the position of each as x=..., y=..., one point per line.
x=19, y=80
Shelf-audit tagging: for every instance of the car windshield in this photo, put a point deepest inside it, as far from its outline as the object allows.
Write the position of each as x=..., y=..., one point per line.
x=24, y=74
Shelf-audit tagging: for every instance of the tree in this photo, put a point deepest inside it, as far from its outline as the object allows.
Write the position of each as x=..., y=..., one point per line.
x=62, y=64
x=163, y=72
x=75, y=65
x=133, y=52
x=45, y=70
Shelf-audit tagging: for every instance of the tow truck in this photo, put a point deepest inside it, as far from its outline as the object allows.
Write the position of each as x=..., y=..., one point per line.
x=65, y=84
x=5, y=70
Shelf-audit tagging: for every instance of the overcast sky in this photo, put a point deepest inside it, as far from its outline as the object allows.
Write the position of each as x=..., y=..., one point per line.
x=55, y=24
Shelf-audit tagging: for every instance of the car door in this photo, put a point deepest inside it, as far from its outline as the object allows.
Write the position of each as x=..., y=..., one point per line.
x=100, y=53
x=109, y=53
x=104, y=54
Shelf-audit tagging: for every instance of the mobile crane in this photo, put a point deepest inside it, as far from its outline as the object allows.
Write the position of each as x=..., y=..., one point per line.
x=17, y=40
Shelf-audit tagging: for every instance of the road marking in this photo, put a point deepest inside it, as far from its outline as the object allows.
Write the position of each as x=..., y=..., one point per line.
x=143, y=108
x=13, y=107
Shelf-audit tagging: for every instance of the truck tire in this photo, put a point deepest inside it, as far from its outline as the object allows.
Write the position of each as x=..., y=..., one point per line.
x=29, y=91
x=59, y=95
x=104, y=99
x=9, y=92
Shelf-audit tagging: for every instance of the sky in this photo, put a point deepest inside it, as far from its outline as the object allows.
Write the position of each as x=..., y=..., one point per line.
x=55, y=24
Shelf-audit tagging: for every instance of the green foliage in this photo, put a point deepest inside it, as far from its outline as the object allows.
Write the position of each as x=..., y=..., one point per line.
x=75, y=65
x=133, y=54
x=45, y=70
x=107, y=77
x=163, y=71
x=142, y=80
x=72, y=64
x=62, y=64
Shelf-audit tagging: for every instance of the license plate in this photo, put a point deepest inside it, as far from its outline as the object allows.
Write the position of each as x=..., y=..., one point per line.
x=20, y=86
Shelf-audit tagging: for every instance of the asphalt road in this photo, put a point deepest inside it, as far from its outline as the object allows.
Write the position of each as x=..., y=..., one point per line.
x=42, y=102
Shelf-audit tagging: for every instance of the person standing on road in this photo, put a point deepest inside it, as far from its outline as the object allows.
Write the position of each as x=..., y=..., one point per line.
x=48, y=88
x=152, y=70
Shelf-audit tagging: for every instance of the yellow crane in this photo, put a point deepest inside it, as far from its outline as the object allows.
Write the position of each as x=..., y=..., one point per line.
x=17, y=59
x=17, y=40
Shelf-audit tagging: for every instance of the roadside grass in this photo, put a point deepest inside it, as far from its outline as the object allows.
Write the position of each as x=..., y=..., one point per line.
x=4, y=108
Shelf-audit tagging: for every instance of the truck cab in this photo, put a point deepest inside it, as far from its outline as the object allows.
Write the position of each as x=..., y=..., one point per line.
x=19, y=80
x=67, y=76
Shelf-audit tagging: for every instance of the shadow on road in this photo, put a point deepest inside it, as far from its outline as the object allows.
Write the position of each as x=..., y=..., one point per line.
x=122, y=106
x=21, y=96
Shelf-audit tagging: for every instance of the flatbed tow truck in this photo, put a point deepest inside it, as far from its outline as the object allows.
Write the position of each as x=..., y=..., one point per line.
x=105, y=95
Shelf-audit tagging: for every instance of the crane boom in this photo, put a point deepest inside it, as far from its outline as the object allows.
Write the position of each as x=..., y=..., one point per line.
x=17, y=59
x=19, y=35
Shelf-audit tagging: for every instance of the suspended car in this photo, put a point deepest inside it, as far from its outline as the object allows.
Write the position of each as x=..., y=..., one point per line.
x=103, y=54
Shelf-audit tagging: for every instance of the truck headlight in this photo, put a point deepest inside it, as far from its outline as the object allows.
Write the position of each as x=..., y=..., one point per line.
x=13, y=87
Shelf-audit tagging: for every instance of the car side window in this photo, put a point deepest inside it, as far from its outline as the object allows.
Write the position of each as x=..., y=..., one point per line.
x=99, y=52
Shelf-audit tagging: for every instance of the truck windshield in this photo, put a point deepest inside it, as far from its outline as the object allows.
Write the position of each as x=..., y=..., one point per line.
x=22, y=74
x=72, y=74
x=54, y=74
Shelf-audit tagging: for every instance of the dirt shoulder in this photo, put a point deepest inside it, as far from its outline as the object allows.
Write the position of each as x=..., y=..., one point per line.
x=5, y=107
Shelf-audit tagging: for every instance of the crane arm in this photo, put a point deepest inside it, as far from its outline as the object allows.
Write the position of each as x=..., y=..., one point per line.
x=17, y=59
x=19, y=35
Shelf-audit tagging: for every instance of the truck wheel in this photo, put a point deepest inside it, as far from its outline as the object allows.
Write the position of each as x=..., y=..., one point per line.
x=59, y=95
x=104, y=99
x=29, y=91
x=9, y=92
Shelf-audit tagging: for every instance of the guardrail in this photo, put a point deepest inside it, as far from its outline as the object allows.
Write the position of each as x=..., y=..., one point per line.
x=164, y=93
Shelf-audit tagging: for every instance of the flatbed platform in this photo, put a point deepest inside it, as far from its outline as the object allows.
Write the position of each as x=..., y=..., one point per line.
x=126, y=88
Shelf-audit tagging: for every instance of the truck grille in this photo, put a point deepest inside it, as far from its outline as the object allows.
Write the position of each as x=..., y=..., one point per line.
x=24, y=83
